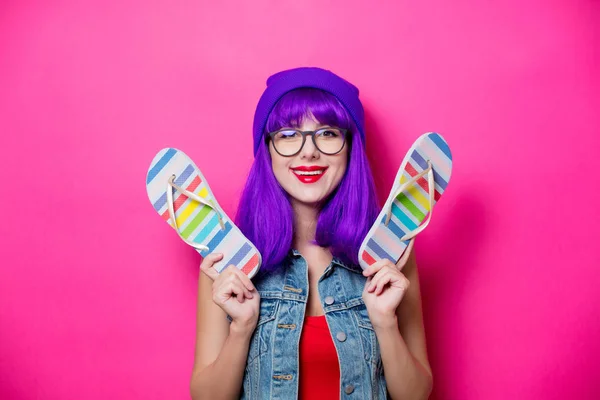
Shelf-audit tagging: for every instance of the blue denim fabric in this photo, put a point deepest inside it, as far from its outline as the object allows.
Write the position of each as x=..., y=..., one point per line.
x=272, y=366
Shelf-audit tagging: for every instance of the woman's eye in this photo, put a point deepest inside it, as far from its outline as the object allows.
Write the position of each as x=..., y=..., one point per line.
x=329, y=133
x=286, y=134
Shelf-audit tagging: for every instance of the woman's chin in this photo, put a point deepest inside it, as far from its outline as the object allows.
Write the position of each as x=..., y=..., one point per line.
x=308, y=200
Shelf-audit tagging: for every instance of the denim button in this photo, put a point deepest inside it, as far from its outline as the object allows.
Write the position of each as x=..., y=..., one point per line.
x=329, y=300
x=341, y=336
x=349, y=389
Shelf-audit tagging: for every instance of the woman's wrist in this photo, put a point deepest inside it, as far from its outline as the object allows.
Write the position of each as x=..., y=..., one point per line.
x=384, y=321
x=242, y=328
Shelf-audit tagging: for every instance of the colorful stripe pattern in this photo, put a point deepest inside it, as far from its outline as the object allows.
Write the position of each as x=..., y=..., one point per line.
x=197, y=222
x=410, y=207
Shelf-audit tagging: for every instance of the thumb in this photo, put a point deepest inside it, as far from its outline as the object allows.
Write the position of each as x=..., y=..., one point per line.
x=207, y=265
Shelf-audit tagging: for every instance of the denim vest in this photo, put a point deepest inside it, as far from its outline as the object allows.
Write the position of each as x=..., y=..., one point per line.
x=272, y=366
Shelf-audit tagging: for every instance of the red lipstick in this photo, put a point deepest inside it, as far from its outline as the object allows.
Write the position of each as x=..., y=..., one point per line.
x=309, y=174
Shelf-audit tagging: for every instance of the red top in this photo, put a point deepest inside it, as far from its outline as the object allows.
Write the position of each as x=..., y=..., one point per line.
x=319, y=365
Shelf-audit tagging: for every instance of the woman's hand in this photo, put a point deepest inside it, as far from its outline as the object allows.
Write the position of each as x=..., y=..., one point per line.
x=234, y=293
x=384, y=291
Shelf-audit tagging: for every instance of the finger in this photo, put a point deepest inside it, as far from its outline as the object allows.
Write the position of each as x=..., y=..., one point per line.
x=405, y=283
x=373, y=268
x=387, y=278
x=367, y=284
x=225, y=290
x=245, y=280
x=238, y=289
x=207, y=265
x=229, y=273
x=402, y=261
x=235, y=278
x=376, y=279
x=376, y=284
x=376, y=267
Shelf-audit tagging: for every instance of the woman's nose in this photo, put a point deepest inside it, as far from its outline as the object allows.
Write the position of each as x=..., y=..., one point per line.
x=309, y=149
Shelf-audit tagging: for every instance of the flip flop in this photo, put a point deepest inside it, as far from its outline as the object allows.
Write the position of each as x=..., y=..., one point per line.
x=421, y=180
x=181, y=196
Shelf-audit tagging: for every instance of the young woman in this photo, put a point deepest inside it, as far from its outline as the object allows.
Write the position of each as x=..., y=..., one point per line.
x=311, y=324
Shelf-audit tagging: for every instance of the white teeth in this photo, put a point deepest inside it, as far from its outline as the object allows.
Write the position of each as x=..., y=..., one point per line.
x=309, y=172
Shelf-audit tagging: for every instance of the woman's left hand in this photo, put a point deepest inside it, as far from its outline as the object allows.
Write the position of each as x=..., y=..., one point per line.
x=383, y=292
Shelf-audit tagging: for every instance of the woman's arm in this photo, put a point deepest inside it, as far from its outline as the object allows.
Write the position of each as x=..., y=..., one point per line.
x=403, y=345
x=221, y=348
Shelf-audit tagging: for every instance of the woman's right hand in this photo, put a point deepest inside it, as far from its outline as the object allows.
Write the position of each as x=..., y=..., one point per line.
x=234, y=292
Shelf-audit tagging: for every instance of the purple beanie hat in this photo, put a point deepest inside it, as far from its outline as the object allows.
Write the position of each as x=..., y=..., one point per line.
x=311, y=77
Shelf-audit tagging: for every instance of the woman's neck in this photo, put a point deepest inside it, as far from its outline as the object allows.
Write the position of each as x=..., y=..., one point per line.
x=305, y=228
x=305, y=224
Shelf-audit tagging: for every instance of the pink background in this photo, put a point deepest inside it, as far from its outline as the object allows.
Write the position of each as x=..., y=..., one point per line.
x=97, y=295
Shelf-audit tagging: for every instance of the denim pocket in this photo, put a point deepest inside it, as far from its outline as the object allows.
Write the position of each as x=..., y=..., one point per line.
x=367, y=333
x=261, y=338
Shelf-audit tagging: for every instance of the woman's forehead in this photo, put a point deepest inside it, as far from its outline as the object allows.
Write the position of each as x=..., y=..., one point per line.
x=310, y=105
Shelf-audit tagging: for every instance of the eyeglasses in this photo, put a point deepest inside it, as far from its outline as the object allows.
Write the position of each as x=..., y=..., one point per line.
x=288, y=142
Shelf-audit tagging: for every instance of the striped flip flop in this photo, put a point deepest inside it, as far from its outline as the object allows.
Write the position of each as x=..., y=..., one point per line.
x=420, y=181
x=176, y=187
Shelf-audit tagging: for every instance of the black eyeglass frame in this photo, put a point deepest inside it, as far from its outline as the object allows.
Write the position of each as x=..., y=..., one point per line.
x=309, y=133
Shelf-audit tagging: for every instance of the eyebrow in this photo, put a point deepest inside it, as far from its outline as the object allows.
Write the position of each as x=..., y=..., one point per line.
x=298, y=128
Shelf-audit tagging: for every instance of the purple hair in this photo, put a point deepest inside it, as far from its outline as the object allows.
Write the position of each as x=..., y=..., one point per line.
x=265, y=214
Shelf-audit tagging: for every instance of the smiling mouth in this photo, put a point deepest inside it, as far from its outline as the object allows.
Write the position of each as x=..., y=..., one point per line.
x=309, y=174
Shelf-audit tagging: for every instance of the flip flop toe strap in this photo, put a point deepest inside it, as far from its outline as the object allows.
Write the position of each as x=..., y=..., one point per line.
x=172, y=185
x=431, y=185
